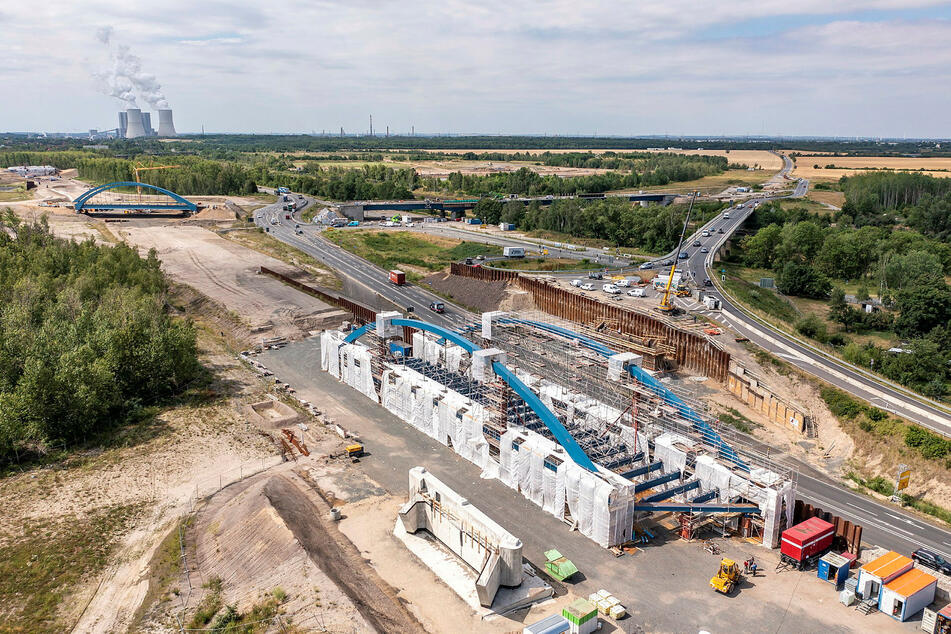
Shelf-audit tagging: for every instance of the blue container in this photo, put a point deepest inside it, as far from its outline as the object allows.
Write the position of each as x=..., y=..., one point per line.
x=833, y=568
x=400, y=349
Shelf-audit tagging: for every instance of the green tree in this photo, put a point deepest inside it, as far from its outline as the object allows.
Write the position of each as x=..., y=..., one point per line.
x=922, y=308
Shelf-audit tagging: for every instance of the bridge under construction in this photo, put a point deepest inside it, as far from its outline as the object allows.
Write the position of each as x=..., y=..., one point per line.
x=571, y=420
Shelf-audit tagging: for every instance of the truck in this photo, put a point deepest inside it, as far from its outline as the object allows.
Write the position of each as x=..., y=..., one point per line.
x=803, y=544
x=397, y=277
x=283, y=190
x=513, y=252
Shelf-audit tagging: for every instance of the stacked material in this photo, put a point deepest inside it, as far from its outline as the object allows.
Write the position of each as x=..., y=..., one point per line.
x=582, y=616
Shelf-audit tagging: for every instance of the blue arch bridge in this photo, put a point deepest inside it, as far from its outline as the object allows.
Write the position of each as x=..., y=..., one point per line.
x=656, y=502
x=147, y=199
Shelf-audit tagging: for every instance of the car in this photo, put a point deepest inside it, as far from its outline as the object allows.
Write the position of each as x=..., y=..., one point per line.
x=704, y=250
x=707, y=282
x=720, y=230
x=480, y=257
x=668, y=262
x=595, y=275
x=637, y=292
x=437, y=307
x=683, y=255
x=576, y=283
x=646, y=265
x=696, y=243
x=587, y=286
x=932, y=560
x=611, y=289
x=705, y=233
x=624, y=282
x=726, y=214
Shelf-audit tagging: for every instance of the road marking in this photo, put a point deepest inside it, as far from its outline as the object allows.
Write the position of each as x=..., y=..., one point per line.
x=854, y=505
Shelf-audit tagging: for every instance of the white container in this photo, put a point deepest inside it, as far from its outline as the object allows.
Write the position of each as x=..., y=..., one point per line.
x=617, y=612
x=847, y=597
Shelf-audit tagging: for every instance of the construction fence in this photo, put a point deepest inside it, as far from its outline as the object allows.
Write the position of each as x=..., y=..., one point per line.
x=691, y=350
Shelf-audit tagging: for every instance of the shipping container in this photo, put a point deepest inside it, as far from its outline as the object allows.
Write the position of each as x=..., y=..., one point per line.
x=507, y=226
x=397, y=277
x=878, y=572
x=907, y=595
x=805, y=542
x=474, y=221
x=833, y=568
x=513, y=252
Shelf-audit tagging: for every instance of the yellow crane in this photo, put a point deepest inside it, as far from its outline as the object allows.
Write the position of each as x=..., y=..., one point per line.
x=666, y=304
x=142, y=168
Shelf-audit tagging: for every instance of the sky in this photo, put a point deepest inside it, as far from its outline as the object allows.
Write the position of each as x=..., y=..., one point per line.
x=645, y=67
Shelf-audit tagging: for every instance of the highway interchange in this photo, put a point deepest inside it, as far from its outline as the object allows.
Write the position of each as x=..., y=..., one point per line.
x=884, y=525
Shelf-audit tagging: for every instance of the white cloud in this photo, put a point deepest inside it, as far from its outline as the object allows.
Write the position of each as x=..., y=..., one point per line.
x=558, y=66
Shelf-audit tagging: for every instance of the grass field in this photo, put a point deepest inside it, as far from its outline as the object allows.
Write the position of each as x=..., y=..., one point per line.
x=416, y=254
x=806, y=166
x=15, y=195
x=742, y=283
x=833, y=198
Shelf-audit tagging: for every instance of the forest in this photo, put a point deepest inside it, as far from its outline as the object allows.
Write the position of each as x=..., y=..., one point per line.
x=654, y=229
x=85, y=338
x=883, y=243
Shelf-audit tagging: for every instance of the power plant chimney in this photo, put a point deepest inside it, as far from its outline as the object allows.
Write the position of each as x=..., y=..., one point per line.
x=134, y=127
x=165, y=125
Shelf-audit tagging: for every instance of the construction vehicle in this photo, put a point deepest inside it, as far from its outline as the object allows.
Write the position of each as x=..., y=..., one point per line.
x=727, y=577
x=682, y=292
x=666, y=304
x=558, y=566
x=142, y=168
x=355, y=450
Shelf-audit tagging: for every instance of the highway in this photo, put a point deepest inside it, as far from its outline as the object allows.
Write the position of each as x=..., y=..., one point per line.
x=884, y=525
x=354, y=267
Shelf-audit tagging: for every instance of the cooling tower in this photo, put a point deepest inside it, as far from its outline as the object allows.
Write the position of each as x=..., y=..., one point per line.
x=123, y=123
x=135, y=127
x=147, y=123
x=165, y=125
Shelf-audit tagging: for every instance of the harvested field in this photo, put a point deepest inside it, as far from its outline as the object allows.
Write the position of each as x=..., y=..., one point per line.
x=836, y=199
x=939, y=167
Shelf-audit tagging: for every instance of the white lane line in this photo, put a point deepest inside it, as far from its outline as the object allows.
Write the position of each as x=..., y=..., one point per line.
x=854, y=505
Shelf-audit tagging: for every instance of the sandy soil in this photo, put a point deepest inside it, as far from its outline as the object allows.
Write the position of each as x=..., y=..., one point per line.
x=227, y=272
x=159, y=465
x=240, y=538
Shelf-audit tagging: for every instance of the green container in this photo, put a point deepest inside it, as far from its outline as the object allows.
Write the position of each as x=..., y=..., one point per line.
x=580, y=611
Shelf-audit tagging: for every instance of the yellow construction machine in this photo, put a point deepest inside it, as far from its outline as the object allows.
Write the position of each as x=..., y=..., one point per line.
x=727, y=577
x=666, y=306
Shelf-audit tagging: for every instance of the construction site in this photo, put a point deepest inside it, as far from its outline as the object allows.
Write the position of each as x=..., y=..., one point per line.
x=583, y=425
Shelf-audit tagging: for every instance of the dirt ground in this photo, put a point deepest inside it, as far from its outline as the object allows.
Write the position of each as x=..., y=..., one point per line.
x=227, y=273
x=157, y=464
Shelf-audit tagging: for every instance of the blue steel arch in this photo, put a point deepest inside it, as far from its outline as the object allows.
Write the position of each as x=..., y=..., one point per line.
x=661, y=390
x=564, y=438
x=180, y=202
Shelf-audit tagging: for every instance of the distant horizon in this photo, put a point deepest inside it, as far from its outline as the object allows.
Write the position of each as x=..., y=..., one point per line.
x=527, y=135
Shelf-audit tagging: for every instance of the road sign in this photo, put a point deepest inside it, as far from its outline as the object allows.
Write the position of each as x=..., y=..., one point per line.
x=904, y=475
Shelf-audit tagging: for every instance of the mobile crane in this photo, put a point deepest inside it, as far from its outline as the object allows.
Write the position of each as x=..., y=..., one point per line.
x=666, y=303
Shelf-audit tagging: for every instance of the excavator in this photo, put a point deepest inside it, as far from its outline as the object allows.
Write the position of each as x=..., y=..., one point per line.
x=667, y=306
x=727, y=577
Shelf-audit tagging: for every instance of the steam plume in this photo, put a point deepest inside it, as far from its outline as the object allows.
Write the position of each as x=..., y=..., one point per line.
x=124, y=77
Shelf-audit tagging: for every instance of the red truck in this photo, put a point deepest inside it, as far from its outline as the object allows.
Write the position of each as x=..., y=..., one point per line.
x=397, y=277
x=803, y=544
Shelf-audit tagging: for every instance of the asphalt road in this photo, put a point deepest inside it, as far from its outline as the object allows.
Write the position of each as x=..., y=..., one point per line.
x=312, y=243
x=884, y=525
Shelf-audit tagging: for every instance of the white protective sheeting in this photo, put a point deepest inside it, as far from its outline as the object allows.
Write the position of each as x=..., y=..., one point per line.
x=672, y=457
x=330, y=341
x=355, y=370
x=419, y=345
x=454, y=356
x=713, y=475
x=432, y=351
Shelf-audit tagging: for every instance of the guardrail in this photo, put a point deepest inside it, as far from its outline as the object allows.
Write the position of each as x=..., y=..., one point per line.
x=880, y=380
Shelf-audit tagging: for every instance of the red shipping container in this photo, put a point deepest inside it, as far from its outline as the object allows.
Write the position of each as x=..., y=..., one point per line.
x=807, y=540
x=397, y=277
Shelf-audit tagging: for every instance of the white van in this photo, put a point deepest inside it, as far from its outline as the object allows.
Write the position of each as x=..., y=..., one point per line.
x=637, y=292
x=611, y=289
x=623, y=283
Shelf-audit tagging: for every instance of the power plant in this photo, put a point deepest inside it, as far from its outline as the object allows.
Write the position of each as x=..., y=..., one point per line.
x=134, y=123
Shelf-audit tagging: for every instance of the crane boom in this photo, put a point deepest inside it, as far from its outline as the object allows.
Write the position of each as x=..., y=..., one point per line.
x=666, y=306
